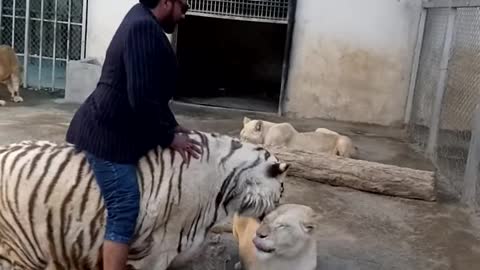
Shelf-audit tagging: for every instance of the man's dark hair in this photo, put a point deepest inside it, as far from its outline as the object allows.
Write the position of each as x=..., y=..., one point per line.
x=150, y=3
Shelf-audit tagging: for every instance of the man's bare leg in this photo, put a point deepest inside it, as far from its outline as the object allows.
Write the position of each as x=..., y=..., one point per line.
x=115, y=255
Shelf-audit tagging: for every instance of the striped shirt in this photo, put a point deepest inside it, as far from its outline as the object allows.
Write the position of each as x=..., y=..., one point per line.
x=128, y=113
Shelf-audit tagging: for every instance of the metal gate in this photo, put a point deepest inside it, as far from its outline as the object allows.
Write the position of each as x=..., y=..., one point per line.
x=275, y=11
x=45, y=34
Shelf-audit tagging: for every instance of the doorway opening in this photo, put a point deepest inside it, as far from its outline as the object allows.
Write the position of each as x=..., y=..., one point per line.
x=231, y=63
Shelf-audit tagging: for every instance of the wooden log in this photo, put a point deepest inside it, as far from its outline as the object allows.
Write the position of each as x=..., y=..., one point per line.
x=359, y=174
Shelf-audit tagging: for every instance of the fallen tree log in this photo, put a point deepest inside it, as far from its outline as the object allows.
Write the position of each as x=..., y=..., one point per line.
x=359, y=174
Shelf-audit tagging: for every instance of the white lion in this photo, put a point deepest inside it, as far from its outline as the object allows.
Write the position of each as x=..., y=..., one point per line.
x=285, y=135
x=283, y=240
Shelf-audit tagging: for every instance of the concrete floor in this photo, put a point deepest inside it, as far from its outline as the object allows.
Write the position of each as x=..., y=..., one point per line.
x=359, y=230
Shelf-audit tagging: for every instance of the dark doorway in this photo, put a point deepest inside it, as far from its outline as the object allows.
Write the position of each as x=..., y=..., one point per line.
x=231, y=63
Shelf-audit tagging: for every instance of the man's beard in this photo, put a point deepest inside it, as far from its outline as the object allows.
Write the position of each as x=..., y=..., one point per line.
x=169, y=24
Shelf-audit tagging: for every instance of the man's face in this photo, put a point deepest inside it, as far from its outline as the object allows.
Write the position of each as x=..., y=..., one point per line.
x=176, y=10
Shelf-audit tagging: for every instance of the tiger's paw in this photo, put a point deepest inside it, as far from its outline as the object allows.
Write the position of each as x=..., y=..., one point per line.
x=2, y=103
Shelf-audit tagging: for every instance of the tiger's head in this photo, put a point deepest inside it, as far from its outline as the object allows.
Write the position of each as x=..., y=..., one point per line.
x=255, y=184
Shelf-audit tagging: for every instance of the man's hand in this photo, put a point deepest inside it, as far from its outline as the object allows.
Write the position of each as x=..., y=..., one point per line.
x=186, y=147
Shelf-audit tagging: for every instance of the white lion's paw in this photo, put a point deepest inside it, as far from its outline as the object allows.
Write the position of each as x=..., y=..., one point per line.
x=2, y=103
x=17, y=99
x=238, y=266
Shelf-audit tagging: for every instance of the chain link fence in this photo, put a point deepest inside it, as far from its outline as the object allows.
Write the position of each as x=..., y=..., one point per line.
x=56, y=34
x=445, y=136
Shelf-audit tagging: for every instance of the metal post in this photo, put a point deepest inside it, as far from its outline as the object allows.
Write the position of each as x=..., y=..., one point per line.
x=69, y=30
x=442, y=84
x=1, y=12
x=14, y=12
x=415, y=65
x=84, y=28
x=26, y=50
x=40, y=56
x=54, y=44
x=471, y=187
x=292, y=10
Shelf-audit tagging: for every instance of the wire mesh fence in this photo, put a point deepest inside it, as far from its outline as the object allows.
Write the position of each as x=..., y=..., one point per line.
x=428, y=74
x=460, y=97
x=55, y=36
x=262, y=10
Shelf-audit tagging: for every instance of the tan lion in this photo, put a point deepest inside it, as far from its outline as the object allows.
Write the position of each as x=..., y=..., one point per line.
x=285, y=135
x=10, y=73
x=284, y=240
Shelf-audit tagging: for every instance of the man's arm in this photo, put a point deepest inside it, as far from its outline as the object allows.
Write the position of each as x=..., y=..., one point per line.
x=145, y=67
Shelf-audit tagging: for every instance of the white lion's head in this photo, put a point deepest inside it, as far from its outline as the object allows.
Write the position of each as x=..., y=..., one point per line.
x=286, y=232
x=253, y=131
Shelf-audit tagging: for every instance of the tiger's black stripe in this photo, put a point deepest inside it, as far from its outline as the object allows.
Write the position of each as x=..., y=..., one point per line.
x=162, y=169
x=17, y=186
x=85, y=196
x=34, y=194
x=35, y=160
x=219, y=197
x=59, y=171
x=63, y=207
x=24, y=152
x=179, y=246
x=234, y=146
x=179, y=184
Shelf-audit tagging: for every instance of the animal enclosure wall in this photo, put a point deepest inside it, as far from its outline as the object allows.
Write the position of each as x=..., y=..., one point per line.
x=45, y=34
x=447, y=90
x=231, y=63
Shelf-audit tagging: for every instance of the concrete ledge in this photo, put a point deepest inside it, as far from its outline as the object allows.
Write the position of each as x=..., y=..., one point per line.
x=82, y=78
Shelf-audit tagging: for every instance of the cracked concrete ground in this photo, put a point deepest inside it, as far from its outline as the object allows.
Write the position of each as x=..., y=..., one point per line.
x=359, y=230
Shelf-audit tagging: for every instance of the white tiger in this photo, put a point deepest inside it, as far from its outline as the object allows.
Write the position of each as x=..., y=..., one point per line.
x=52, y=215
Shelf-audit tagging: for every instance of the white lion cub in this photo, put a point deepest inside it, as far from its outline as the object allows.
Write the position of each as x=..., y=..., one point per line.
x=285, y=135
x=284, y=240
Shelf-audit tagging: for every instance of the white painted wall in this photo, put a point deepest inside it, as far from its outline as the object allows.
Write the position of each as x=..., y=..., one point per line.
x=104, y=16
x=351, y=59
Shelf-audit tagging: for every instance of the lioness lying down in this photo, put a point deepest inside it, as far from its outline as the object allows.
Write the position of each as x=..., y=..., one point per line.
x=10, y=73
x=284, y=240
x=285, y=135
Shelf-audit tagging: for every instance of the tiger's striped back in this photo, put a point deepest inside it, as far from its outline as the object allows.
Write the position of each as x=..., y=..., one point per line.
x=52, y=215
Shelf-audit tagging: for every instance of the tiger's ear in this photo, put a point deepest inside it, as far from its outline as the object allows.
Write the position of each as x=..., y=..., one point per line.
x=246, y=120
x=259, y=125
x=278, y=169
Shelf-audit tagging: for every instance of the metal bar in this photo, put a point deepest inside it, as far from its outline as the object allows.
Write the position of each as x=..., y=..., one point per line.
x=69, y=28
x=27, y=43
x=1, y=15
x=415, y=65
x=237, y=18
x=13, y=22
x=442, y=84
x=45, y=20
x=54, y=44
x=292, y=10
x=44, y=57
x=471, y=191
x=451, y=3
x=41, y=45
x=84, y=29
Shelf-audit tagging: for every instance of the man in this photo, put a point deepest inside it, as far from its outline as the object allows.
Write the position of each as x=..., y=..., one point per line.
x=128, y=114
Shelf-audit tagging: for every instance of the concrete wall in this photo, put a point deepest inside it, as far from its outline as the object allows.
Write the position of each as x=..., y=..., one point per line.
x=104, y=16
x=351, y=59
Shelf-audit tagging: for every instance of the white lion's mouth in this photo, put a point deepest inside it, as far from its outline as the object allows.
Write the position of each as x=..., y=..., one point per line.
x=260, y=246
